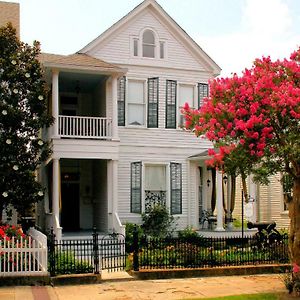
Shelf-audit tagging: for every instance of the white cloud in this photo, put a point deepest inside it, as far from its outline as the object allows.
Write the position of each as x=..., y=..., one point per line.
x=265, y=29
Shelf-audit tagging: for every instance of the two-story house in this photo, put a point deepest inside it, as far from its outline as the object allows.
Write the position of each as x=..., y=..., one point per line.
x=118, y=143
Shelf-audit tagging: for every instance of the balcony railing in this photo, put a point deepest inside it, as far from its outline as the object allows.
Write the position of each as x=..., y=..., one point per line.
x=84, y=127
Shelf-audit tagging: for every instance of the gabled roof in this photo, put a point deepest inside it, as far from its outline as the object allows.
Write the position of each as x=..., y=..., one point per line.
x=169, y=21
x=79, y=62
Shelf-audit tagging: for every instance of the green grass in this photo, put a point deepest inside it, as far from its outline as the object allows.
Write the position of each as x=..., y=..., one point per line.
x=245, y=297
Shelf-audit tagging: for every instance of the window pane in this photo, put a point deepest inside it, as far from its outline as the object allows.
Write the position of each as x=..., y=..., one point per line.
x=148, y=37
x=136, y=114
x=148, y=50
x=186, y=94
x=136, y=92
x=162, y=49
x=155, y=178
x=135, y=47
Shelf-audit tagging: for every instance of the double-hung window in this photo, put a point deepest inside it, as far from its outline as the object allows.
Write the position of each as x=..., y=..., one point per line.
x=202, y=93
x=136, y=104
x=186, y=95
x=155, y=186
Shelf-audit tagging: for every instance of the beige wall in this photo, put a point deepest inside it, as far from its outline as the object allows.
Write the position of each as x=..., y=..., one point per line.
x=10, y=12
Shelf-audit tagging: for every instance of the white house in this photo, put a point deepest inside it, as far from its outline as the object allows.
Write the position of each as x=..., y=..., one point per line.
x=118, y=146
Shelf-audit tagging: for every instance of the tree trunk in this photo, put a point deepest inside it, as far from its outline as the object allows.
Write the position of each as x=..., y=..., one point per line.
x=294, y=234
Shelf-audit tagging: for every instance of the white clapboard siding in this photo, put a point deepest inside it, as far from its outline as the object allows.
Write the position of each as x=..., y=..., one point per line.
x=117, y=48
x=25, y=256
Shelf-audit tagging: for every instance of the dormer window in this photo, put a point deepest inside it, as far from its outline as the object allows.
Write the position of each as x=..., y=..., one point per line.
x=148, y=44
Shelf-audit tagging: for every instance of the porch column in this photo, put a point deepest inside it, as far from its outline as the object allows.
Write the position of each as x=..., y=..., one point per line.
x=252, y=198
x=219, y=200
x=55, y=99
x=112, y=188
x=114, y=95
x=55, y=198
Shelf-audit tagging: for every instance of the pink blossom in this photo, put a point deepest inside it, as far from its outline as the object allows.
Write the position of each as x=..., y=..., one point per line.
x=296, y=268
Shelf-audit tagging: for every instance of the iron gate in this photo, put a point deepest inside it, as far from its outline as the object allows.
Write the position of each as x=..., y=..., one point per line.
x=89, y=255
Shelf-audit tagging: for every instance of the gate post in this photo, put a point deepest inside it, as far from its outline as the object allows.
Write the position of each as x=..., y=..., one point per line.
x=51, y=249
x=135, y=249
x=95, y=250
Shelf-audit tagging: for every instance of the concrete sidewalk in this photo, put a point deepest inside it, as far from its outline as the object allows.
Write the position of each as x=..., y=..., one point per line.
x=167, y=289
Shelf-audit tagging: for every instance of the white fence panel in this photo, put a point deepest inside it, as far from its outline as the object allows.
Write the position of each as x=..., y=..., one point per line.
x=24, y=256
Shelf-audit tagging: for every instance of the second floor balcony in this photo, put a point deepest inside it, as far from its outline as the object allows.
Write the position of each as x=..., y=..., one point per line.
x=84, y=127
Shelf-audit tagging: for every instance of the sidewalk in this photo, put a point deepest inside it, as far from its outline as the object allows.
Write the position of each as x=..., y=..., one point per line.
x=170, y=289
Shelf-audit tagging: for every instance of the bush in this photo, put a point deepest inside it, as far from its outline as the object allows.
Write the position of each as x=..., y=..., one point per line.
x=66, y=263
x=129, y=229
x=158, y=222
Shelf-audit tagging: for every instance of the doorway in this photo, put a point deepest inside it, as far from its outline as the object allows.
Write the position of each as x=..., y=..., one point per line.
x=70, y=218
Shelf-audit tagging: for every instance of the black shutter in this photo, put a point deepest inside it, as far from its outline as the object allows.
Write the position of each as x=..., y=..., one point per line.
x=171, y=95
x=121, y=100
x=202, y=93
x=176, y=188
x=136, y=188
x=153, y=87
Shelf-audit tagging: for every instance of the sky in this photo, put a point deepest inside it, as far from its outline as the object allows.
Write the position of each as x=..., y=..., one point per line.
x=232, y=32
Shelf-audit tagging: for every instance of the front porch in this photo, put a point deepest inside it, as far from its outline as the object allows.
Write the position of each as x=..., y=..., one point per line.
x=81, y=196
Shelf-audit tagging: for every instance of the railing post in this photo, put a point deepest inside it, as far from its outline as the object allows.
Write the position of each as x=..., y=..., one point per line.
x=96, y=250
x=135, y=249
x=51, y=248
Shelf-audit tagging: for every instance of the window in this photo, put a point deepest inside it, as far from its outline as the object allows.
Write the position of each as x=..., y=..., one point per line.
x=162, y=50
x=155, y=186
x=202, y=93
x=176, y=188
x=136, y=103
x=186, y=95
x=287, y=186
x=136, y=187
x=153, y=88
x=148, y=44
x=171, y=95
x=135, y=47
x=121, y=100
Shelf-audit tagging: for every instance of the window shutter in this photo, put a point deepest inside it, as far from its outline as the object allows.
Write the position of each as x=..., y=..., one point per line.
x=176, y=188
x=202, y=93
x=153, y=88
x=171, y=95
x=121, y=100
x=136, y=188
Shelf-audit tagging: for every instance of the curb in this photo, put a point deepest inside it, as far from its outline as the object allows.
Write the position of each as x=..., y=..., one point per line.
x=205, y=272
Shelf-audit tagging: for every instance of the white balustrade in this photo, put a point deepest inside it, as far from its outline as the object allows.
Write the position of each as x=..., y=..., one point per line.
x=85, y=127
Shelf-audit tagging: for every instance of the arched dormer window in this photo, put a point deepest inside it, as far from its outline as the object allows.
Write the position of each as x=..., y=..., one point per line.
x=148, y=44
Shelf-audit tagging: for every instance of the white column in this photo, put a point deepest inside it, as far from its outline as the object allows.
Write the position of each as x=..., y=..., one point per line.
x=114, y=96
x=252, y=199
x=55, y=198
x=219, y=200
x=112, y=194
x=55, y=100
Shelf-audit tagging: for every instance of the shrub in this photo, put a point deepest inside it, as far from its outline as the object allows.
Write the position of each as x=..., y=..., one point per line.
x=129, y=229
x=66, y=263
x=158, y=222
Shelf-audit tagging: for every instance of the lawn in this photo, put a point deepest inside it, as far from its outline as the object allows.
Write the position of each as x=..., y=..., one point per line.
x=252, y=297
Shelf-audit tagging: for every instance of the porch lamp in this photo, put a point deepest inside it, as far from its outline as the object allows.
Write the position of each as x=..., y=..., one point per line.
x=225, y=178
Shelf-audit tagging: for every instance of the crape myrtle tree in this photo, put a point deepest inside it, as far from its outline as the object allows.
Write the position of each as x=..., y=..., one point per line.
x=23, y=112
x=254, y=120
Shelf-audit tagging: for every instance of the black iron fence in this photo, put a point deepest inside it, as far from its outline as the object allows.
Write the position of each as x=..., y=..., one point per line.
x=200, y=252
x=89, y=255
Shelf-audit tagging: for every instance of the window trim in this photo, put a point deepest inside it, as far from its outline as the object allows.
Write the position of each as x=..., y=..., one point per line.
x=127, y=102
x=179, y=114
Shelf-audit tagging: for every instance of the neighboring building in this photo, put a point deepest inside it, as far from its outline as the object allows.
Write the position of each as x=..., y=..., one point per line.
x=10, y=12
